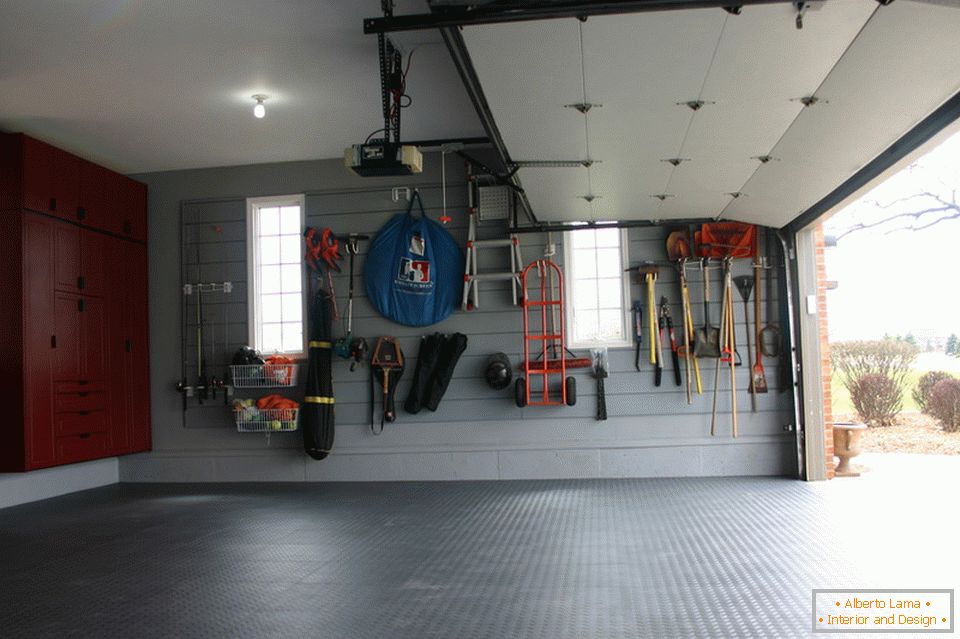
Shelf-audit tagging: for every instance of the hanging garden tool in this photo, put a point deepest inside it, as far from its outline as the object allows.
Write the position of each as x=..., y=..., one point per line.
x=708, y=338
x=734, y=356
x=647, y=275
x=679, y=251
x=744, y=284
x=317, y=414
x=599, y=356
x=658, y=367
x=348, y=346
x=759, y=376
x=323, y=256
x=674, y=347
x=637, y=333
x=386, y=367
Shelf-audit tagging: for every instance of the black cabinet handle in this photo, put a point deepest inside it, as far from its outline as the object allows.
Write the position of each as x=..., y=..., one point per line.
x=127, y=345
x=84, y=435
x=82, y=394
x=53, y=204
x=84, y=412
x=80, y=305
x=81, y=282
x=53, y=341
x=81, y=213
x=82, y=382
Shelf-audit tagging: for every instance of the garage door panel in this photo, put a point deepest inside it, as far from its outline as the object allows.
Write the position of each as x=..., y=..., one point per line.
x=910, y=45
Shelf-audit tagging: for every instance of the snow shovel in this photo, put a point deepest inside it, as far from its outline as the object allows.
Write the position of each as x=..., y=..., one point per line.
x=707, y=343
x=744, y=284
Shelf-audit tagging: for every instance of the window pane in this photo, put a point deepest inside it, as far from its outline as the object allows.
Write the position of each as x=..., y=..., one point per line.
x=270, y=279
x=270, y=308
x=584, y=263
x=292, y=307
x=585, y=294
x=292, y=337
x=272, y=339
x=290, y=278
x=290, y=220
x=290, y=249
x=610, y=324
x=585, y=325
x=608, y=263
x=270, y=221
x=608, y=237
x=609, y=293
x=582, y=239
x=270, y=250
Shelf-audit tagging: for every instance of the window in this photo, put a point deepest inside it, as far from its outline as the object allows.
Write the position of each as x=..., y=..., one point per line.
x=275, y=274
x=597, y=289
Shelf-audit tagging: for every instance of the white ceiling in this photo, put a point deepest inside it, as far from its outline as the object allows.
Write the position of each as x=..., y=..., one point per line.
x=143, y=85
x=876, y=70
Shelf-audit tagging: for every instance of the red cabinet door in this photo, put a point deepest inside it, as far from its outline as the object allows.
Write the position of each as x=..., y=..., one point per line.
x=67, y=356
x=66, y=239
x=95, y=203
x=94, y=249
x=39, y=330
x=131, y=201
x=37, y=171
x=66, y=185
x=93, y=340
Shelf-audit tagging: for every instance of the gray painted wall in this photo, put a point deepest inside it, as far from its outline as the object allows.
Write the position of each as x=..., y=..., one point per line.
x=23, y=488
x=477, y=433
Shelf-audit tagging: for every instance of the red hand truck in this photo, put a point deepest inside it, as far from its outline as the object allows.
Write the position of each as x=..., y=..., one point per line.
x=544, y=341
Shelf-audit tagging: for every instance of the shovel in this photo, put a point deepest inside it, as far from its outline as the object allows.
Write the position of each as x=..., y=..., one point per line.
x=707, y=343
x=759, y=376
x=744, y=284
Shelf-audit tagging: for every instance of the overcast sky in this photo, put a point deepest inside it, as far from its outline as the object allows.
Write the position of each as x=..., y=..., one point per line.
x=899, y=281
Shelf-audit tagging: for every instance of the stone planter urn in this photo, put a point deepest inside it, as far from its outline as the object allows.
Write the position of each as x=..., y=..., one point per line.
x=846, y=445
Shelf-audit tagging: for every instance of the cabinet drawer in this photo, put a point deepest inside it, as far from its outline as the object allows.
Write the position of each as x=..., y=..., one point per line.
x=81, y=423
x=81, y=401
x=91, y=386
x=76, y=448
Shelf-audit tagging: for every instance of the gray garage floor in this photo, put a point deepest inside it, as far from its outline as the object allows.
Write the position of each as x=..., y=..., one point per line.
x=551, y=559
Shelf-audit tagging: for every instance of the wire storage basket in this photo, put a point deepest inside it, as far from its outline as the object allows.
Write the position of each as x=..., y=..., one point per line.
x=266, y=420
x=264, y=375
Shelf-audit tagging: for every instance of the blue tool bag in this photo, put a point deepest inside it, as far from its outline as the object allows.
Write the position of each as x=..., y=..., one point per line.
x=414, y=269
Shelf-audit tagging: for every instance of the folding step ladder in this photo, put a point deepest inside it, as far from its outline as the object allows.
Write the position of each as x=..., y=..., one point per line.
x=471, y=277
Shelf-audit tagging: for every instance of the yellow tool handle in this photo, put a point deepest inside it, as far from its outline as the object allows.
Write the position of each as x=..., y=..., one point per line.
x=652, y=317
x=692, y=336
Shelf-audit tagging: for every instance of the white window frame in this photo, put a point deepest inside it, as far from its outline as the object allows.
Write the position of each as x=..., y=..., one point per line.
x=568, y=279
x=254, y=315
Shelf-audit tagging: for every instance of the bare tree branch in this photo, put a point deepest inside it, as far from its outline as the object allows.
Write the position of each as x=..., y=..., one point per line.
x=914, y=215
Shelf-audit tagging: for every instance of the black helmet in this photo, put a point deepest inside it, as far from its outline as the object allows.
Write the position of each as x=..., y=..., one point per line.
x=498, y=372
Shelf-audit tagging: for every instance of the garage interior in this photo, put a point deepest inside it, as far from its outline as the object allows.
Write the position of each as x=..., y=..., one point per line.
x=148, y=489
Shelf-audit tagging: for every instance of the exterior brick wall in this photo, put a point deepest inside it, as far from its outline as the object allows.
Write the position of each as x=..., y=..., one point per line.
x=825, y=368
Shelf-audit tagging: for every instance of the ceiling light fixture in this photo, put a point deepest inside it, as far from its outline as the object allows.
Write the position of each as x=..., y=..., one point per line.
x=259, y=110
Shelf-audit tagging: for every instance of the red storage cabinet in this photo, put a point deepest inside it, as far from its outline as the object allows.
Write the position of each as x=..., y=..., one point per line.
x=74, y=280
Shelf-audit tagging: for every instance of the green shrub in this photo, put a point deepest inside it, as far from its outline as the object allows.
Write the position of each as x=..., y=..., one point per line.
x=921, y=394
x=944, y=404
x=860, y=364
x=877, y=398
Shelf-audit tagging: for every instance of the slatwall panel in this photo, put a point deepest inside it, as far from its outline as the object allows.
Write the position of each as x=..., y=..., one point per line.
x=477, y=432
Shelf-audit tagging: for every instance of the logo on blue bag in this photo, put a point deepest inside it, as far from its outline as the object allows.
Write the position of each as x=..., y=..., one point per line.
x=414, y=271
